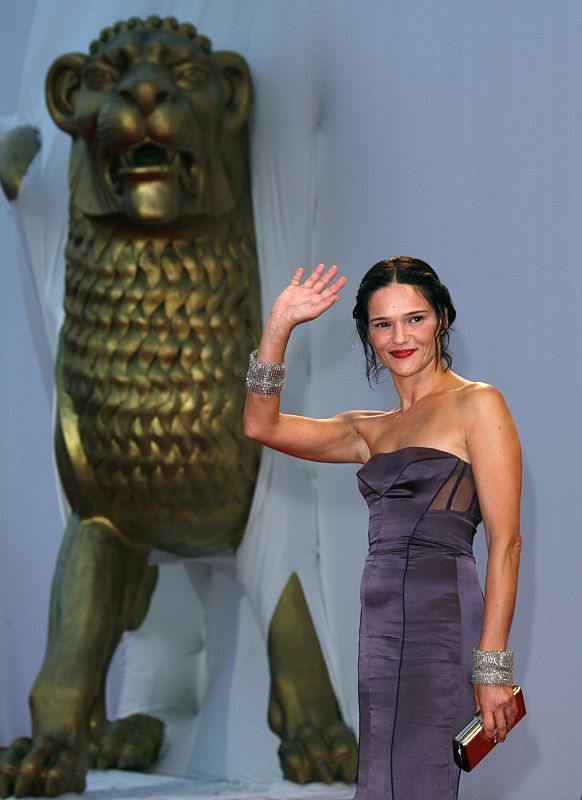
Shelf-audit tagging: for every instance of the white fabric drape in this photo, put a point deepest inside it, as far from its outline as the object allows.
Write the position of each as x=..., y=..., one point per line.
x=445, y=130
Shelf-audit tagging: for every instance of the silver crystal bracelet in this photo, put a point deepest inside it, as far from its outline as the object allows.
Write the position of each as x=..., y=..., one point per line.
x=264, y=378
x=493, y=667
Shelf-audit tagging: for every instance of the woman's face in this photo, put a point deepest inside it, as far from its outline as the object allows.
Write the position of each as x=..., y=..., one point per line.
x=402, y=326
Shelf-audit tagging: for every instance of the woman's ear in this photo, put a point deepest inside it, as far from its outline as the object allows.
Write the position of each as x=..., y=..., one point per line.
x=62, y=85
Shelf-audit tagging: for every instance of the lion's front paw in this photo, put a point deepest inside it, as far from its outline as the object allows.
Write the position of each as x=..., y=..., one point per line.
x=131, y=743
x=324, y=754
x=41, y=767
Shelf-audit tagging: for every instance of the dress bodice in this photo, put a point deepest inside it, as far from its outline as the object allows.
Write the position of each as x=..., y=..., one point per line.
x=420, y=499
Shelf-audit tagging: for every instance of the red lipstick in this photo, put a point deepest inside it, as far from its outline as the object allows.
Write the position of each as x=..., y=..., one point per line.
x=401, y=353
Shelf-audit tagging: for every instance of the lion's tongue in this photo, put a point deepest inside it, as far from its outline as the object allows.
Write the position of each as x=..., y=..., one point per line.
x=152, y=200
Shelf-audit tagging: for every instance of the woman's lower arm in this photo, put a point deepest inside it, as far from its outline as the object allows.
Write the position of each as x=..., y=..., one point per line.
x=261, y=412
x=274, y=340
x=500, y=592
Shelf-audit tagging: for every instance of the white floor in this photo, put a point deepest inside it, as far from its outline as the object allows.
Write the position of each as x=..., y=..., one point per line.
x=117, y=785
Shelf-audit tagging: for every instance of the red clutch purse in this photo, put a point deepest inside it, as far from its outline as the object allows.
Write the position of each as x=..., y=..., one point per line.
x=470, y=745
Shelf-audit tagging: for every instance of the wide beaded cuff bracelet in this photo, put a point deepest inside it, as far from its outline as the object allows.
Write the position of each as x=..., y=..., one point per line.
x=263, y=378
x=493, y=667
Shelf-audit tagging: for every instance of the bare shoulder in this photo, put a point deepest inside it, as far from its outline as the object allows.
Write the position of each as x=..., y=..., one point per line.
x=481, y=402
x=490, y=431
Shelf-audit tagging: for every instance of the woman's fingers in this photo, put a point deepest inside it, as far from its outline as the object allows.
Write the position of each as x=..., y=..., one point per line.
x=488, y=724
x=335, y=287
x=314, y=277
x=319, y=281
x=510, y=712
x=329, y=276
x=296, y=279
x=498, y=720
x=320, y=278
x=501, y=725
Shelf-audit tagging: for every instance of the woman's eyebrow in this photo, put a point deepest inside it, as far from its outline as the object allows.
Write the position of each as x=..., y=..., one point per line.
x=406, y=314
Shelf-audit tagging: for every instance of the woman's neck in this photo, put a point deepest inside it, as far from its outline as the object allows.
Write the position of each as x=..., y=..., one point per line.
x=414, y=388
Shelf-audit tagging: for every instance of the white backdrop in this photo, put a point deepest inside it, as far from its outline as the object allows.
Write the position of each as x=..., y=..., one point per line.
x=445, y=130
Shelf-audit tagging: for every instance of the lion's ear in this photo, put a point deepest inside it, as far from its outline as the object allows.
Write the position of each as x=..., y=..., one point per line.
x=62, y=86
x=239, y=89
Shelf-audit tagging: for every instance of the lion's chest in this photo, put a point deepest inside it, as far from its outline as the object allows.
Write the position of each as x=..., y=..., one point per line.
x=153, y=353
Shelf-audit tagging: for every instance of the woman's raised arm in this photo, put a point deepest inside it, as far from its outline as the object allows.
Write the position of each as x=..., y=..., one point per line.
x=335, y=439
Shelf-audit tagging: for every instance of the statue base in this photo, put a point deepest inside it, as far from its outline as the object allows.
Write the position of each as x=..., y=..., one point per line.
x=118, y=785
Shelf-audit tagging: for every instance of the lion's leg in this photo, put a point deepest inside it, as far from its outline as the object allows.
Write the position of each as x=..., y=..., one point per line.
x=316, y=745
x=142, y=597
x=131, y=742
x=93, y=595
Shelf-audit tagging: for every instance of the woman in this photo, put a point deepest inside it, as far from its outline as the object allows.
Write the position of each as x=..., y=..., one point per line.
x=431, y=650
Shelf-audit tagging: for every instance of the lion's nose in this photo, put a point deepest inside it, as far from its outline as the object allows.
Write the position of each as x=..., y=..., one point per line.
x=148, y=95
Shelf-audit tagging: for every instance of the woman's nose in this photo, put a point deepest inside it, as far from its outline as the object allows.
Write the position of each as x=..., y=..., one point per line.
x=399, y=335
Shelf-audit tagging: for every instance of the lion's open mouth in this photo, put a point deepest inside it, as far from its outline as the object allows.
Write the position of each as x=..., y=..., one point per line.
x=148, y=160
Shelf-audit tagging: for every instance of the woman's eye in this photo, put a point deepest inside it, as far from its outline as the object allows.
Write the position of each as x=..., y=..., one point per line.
x=417, y=318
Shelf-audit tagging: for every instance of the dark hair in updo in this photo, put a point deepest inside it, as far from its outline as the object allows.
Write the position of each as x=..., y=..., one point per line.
x=414, y=272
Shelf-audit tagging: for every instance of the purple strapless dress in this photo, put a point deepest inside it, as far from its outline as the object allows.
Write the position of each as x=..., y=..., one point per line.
x=422, y=609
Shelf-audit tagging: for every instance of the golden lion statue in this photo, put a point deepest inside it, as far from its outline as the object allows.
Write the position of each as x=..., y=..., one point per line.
x=161, y=309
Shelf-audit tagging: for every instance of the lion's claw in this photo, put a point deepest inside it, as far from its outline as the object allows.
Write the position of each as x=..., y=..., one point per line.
x=131, y=743
x=322, y=754
x=40, y=767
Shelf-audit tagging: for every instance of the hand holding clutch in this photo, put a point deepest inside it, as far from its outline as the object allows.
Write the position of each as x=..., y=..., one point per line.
x=470, y=745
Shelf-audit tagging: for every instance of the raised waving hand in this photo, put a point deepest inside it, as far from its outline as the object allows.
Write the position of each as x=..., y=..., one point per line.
x=335, y=439
x=300, y=302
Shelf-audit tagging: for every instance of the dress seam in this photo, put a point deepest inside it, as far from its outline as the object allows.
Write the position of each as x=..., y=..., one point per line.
x=399, y=671
x=363, y=626
x=455, y=489
x=452, y=732
x=418, y=521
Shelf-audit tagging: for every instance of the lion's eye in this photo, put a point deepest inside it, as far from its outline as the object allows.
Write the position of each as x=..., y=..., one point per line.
x=100, y=79
x=190, y=75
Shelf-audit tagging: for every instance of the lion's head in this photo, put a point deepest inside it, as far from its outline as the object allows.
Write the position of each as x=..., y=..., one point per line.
x=157, y=120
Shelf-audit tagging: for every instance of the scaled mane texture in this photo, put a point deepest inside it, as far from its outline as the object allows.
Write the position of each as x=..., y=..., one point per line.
x=156, y=337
